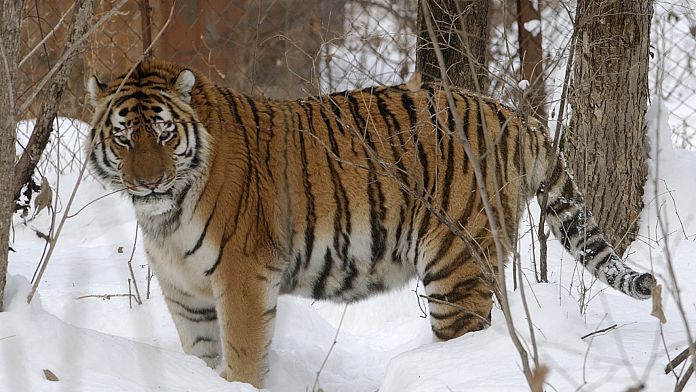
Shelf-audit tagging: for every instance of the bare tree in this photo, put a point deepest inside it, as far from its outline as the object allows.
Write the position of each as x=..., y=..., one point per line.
x=531, y=57
x=9, y=48
x=461, y=28
x=605, y=143
x=24, y=168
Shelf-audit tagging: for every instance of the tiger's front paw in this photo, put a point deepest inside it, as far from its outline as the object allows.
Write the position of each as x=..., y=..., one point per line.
x=231, y=375
x=221, y=367
x=226, y=372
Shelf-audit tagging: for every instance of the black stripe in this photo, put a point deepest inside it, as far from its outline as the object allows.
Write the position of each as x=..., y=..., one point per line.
x=203, y=312
x=444, y=316
x=449, y=171
x=341, y=238
x=394, y=129
x=198, y=319
x=575, y=223
x=559, y=206
x=202, y=339
x=223, y=243
x=351, y=272
x=410, y=108
x=374, y=190
x=332, y=138
x=320, y=283
x=311, y=214
x=337, y=115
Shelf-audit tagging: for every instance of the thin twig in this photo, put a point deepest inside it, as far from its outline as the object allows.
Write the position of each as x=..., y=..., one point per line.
x=599, y=331
x=46, y=37
x=542, y=234
x=148, y=278
x=68, y=52
x=333, y=344
x=130, y=295
x=684, y=379
x=103, y=296
x=130, y=269
x=501, y=291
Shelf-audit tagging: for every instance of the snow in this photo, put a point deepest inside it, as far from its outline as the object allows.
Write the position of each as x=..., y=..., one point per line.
x=533, y=26
x=523, y=84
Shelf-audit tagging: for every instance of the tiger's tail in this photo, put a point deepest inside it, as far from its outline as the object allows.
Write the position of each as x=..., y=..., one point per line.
x=572, y=223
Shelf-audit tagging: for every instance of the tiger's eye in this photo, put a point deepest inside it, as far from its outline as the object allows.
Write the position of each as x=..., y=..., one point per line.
x=166, y=135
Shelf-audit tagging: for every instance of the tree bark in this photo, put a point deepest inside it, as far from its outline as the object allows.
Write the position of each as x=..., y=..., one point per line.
x=605, y=143
x=461, y=31
x=531, y=57
x=9, y=50
x=146, y=27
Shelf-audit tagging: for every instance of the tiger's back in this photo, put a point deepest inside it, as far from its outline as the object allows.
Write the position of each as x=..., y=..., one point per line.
x=345, y=173
x=331, y=197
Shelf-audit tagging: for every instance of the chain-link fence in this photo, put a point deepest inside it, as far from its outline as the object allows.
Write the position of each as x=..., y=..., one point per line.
x=673, y=73
x=293, y=48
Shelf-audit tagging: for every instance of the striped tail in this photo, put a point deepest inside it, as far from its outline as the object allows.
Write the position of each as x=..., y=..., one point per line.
x=572, y=223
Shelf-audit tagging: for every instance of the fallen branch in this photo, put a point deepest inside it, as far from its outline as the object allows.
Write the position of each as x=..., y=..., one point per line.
x=104, y=296
x=597, y=332
x=684, y=379
x=672, y=365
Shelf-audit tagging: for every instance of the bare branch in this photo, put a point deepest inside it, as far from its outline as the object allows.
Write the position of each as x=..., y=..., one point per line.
x=24, y=168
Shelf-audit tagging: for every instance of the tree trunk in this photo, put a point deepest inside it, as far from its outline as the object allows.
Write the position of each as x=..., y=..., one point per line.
x=531, y=57
x=461, y=30
x=605, y=144
x=9, y=48
x=261, y=47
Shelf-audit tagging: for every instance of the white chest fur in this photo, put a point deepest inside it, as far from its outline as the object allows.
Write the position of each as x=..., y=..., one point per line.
x=174, y=268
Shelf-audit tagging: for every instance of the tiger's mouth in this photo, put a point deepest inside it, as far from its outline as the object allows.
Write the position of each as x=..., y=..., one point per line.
x=144, y=189
x=154, y=203
x=153, y=195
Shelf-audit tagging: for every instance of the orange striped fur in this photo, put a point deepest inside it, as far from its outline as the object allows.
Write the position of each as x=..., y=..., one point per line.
x=331, y=197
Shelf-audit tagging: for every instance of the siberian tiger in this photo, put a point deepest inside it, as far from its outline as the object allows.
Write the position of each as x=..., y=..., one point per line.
x=331, y=197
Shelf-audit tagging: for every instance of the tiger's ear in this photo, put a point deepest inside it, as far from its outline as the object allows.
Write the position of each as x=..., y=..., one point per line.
x=184, y=84
x=95, y=89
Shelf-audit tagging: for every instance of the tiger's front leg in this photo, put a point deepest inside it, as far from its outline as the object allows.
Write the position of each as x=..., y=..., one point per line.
x=196, y=322
x=246, y=290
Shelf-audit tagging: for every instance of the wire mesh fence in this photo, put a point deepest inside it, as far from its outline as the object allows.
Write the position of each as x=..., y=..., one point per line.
x=294, y=48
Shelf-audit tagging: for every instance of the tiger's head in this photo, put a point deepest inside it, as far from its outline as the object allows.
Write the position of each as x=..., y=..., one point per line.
x=146, y=137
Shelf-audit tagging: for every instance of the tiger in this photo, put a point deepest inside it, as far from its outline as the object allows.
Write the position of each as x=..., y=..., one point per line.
x=332, y=197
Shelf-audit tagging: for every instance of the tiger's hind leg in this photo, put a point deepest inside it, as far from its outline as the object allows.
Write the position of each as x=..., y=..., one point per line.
x=459, y=296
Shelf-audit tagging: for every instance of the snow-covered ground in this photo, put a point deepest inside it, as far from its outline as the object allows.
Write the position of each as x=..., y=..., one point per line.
x=96, y=344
